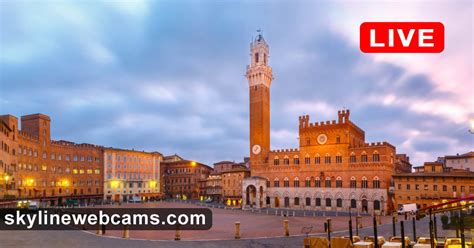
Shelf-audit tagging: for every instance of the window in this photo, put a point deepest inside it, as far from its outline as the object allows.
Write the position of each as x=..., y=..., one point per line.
x=338, y=159
x=353, y=203
x=353, y=182
x=376, y=183
x=44, y=155
x=352, y=158
x=296, y=160
x=327, y=159
x=308, y=201
x=338, y=182
x=454, y=188
x=318, y=202
x=307, y=182
x=307, y=160
x=317, y=160
x=75, y=157
x=317, y=183
x=445, y=188
x=68, y=157
x=399, y=186
x=297, y=201
x=276, y=161
x=363, y=158
x=53, y=157
x=375, y=157
x=308, y=142
x=296, y=183
x=417, y=187
x=268, y=183
x=328, y=182
x=365, y=184
x=408, y=186
x=338, y=139
x=286, y=183
x=328, y=202
x=339, y=203
x=376, y=205
x=435, y=187
x=286, y=161
x=256, y=57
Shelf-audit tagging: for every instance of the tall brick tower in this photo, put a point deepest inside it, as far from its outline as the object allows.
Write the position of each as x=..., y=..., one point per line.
x=259, y=76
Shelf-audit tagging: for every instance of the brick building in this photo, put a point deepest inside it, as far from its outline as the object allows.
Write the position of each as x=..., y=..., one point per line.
x=8, y=161
x=214, y=187
x=52, y=171
x=131, y=173
x=184, y=179
x=334, y=167
x=431, y=184
x=460, y=161
x=232, y=184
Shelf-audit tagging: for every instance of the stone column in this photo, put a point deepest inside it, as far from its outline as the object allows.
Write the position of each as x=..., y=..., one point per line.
x=257, y=200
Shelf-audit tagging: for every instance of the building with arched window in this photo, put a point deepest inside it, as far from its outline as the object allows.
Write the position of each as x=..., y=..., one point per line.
x=354, y=172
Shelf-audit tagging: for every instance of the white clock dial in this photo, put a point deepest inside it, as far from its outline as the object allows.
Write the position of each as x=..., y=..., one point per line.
x=256, y=149
x=322, y=139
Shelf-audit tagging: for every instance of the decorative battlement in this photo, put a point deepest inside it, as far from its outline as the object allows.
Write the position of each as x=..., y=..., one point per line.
x=285, y=150
x=72, y=144
x=28, y=136
x=374, y=144
x=342, y=114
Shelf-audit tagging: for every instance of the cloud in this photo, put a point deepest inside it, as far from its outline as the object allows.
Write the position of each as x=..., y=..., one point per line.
x=170, y=77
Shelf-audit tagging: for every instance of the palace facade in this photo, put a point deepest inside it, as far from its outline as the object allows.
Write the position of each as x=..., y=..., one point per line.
x=47, y=170
x=130, y=173
x=333, y=168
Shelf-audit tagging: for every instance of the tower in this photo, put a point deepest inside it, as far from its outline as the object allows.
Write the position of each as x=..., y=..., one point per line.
x=259, y=76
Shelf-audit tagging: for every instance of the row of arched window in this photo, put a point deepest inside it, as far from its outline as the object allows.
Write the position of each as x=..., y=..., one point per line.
x=364, y=183
x=327, y=159
x=327, y=202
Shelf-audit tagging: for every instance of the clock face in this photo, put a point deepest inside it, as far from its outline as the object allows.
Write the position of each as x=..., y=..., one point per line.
x=256, y=149
x=322, y=139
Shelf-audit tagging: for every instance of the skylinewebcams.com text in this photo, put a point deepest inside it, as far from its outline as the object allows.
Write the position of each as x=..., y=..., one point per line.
x=43, y=218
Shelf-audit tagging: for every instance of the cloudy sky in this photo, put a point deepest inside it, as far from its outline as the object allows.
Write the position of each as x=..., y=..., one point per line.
x=169, y=75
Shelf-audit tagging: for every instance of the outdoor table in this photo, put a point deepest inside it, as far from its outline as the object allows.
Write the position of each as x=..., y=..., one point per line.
x=422, y=246
x=318, y=242
x=340, y=242
x=392, y=245
x=363, y=244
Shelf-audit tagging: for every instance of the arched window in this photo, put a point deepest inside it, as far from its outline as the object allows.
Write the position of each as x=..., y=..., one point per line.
x=286, y=182
x=317, y=182
x=268, y=183
x=376, y=205
x=352, y=158
x=364, y=183
x=308, y=201
x=317, y=159
x=276, y=182
x=256, y=57
x=307, y=182
x=318, y=202
x=297, y=201
x=286, y=160
x=353, y=203
x=328, y=182
x=327, y=158
x=296, y=182
x=328, y=202
x=276, y=161
x=375, y=157
x=363, y=157
x=339, y=202
x=265, y=58
x=376, y=183
x=296, y=159
x=307, y=159
x=338, y=182
x=353, y=182
x=338, y=158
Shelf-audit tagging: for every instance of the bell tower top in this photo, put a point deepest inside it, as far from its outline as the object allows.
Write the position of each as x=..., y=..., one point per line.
x=259, y=72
